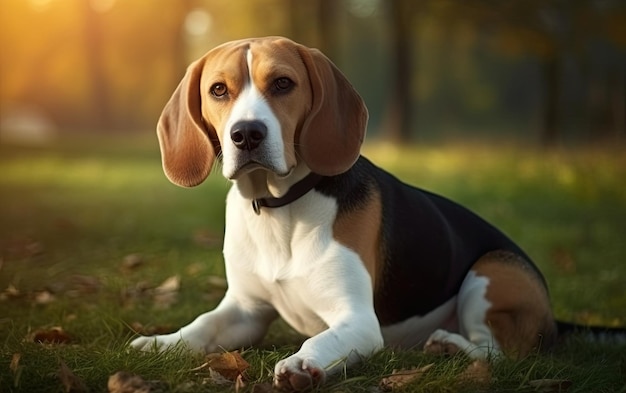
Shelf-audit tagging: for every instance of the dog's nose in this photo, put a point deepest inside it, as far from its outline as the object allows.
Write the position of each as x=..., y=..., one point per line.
x=248, y=135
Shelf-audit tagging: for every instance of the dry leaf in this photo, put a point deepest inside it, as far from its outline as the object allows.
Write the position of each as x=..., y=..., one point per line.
x=15, y=362
x=139, y=328
x=124, y=382
x=218, y=379
x=166, y=294
x=239, y=383
x=11, y=292
x=217, y=282
x=71, y=383
x=400, y=378
x=477, y=374
x=550, y=385
x=171, y=284
x=228, y=364
x=44, y=297
x=55, y=335
x=132, y=261
x=208, y=239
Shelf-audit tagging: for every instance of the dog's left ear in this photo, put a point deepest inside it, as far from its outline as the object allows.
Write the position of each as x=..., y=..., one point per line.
x=331, y=136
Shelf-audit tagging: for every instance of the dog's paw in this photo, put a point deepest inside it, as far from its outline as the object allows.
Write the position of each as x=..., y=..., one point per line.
x=295, y=374
x=441, y=342
x=158, y=343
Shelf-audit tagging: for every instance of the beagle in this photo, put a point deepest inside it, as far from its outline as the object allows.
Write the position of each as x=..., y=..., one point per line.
x=318, y=235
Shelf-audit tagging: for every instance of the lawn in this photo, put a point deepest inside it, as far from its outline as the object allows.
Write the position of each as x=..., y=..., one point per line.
x=96, y=243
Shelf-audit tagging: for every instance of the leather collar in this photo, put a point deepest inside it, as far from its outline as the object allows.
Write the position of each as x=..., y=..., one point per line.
x=296, y=191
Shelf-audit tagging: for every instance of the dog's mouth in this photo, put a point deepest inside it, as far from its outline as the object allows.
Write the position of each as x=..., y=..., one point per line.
x=254, y=166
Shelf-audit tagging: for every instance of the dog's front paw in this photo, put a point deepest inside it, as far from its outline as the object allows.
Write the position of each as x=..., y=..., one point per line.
x=295, y=374
x=155, y=343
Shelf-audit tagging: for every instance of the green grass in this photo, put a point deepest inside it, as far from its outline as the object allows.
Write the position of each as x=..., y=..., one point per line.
x=71, y=212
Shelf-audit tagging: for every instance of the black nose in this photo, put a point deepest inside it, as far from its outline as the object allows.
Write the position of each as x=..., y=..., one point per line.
x=248, y=135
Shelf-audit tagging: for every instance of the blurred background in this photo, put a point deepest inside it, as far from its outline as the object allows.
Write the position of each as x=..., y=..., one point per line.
x=544, y=71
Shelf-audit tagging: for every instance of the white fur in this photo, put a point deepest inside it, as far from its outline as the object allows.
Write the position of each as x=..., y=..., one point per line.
x=286, y=260
x=474, y=336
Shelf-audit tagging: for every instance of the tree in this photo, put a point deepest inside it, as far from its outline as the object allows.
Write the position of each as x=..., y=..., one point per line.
x=401, y=108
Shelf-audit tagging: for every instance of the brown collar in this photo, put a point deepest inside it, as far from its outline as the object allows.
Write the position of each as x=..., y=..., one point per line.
x=296, y=191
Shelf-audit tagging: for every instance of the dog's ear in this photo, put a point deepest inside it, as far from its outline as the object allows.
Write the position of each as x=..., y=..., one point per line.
x=186, y=141
x=331, y=136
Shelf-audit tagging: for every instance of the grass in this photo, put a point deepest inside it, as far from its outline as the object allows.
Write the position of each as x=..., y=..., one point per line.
x=72, y=212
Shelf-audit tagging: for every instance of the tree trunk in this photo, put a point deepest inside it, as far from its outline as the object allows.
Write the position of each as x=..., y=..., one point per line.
x=550, y=133
x=401, y=109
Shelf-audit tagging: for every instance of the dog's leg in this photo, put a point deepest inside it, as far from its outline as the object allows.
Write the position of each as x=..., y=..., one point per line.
x=343, y=343
x=229, y=326
x=475, y=337
x=503, y=306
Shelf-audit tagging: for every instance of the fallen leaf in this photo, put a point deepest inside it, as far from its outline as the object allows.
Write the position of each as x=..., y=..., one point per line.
x=550, y=385
x=239, y=383
x=477, y=374
x=15, y=362
x=12, y=291
x=86, y=284
x=44, y=297
x=71, y=383
x=217, y=282
x=218, y=379
x=139, y=328
x=166, y=294
x=132, y=261
x=208, y=239
x=54, y=335
x=230, y=365
x=124, y=382
x=400, y=378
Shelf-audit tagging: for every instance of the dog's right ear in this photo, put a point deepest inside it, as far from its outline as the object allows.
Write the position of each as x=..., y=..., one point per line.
x=188, y=144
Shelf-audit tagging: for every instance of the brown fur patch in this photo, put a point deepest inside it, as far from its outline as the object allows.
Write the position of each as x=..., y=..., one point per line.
x=520, y=316
x=360, y=230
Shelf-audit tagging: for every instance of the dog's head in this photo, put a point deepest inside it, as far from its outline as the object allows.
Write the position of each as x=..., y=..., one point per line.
x=268, y=106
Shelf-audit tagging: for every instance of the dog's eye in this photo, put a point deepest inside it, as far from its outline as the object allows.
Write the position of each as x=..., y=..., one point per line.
x=283, y=85
x=219, y=90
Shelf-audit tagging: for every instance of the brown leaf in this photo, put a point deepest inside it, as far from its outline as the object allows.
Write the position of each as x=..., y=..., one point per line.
x=228, y=364
x=550, y=385
x=54, y=335
x=477, y=374
x=11, y=292
x=124, y=382
x=400, y=378
x=239, y=383
x=139, y=328
x=166, y=294
x=15, y=362
x=71, y=383
x=132, y=261
x=217, y=282
x=208, y=239
x=44, y=297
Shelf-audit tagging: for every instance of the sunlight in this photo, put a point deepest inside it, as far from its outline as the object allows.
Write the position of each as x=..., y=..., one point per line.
x=102, y=5
x=40, y=5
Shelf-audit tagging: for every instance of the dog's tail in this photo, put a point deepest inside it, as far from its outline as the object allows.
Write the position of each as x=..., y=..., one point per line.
x=592, y=333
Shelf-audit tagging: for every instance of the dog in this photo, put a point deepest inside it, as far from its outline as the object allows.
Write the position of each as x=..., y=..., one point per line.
x=316, y=234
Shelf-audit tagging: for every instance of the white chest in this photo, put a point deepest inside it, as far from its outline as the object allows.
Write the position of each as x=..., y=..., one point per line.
x=287, y=257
